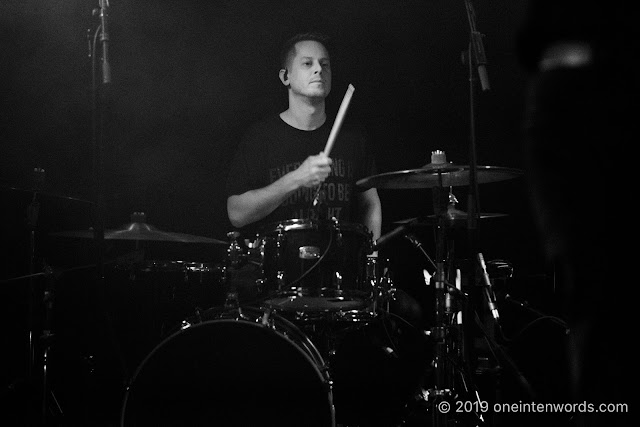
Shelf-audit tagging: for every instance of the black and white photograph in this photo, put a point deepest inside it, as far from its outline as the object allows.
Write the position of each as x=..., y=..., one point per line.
x=337, y=213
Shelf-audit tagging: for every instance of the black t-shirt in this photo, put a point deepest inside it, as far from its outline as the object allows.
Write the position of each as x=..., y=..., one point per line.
x=271, y=148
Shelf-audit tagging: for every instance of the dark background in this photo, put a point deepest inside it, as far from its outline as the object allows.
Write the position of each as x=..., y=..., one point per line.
x=189, y=76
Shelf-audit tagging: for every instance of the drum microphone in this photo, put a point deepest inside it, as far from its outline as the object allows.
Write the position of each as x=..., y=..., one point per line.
x=104, y=38
x=488, y=290
x=382, y=240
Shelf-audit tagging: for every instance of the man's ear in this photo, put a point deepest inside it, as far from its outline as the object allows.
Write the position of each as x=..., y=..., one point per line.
x=284, y=76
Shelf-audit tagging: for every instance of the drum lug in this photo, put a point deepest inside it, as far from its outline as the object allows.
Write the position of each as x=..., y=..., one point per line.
x=185, y=324
x=337, y=280
x=259, y=285
x=329, y=385
x=280, y=242
x=266, y=318
x=235, y=254
x=372, y=270
x=280, y=280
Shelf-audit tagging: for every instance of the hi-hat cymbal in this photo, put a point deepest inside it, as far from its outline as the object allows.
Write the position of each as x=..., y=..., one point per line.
x=34, y=191
x=430, y=177
x=141, y=231
x=452, y=217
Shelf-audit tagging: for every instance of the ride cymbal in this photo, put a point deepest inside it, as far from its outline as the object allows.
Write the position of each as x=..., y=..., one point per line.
x=431, y=176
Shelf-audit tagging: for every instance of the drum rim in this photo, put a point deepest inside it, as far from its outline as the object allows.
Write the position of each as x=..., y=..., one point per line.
x=319, y=366
x=312, y=224
x=173, y=265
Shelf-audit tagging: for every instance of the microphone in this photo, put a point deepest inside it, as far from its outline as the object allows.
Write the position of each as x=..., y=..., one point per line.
x=382, y=240
x=488, y=290
x=104, y=38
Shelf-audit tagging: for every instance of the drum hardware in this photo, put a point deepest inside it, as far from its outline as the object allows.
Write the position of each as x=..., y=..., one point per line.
x=46, y=341
x=235, y=258
x=39, y=304
x=452, y=305
x=43, y=340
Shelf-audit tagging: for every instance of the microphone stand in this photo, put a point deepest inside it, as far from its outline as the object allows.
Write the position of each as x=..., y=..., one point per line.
x=99, y=103
x=98, y=124
x=475, y=58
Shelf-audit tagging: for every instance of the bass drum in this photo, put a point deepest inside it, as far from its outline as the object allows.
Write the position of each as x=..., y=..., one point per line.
x=256, y=370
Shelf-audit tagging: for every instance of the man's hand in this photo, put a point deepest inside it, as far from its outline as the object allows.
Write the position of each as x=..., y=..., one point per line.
x=314, y=170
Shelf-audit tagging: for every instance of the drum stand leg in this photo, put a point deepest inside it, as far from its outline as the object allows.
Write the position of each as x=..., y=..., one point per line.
x=233, y=261
x=49, y=402
x=45, y=340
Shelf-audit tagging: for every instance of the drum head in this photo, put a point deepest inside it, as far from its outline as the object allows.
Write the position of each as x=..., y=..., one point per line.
x=229, y=372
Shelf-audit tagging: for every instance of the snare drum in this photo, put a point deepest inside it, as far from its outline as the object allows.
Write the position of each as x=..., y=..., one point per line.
x=316, y=266
x=257, y=370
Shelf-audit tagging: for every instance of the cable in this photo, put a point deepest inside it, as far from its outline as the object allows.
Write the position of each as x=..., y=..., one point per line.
x=314, y=266
x=505, y=357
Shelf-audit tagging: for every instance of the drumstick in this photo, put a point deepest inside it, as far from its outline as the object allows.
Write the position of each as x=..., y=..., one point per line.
x=339, y=119
x=335, y=129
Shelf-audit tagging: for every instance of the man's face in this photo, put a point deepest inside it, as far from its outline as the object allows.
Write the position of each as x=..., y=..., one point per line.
x=310, y=71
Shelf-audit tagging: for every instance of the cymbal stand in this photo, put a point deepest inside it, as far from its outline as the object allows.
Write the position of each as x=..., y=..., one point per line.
x=235, y=256
x=46, y=340
x=38, y=348
x=32, y=224
x=449, y=357
x=440, y=333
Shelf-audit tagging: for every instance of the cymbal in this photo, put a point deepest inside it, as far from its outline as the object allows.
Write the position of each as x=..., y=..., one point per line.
x=451, y=217
x=141, y=231
x=32, y=191
x=431, y=176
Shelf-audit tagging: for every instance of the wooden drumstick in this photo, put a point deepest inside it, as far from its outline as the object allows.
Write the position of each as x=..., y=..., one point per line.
x=342, y=111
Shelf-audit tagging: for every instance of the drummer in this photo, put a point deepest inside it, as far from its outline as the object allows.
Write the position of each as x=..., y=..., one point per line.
x=280, y=161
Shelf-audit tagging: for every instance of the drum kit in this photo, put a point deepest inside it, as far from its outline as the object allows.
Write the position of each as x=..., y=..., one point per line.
x=307, y=333
x=296, y=323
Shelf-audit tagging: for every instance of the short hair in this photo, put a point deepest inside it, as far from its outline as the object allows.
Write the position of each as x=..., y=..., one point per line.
x=288, y=49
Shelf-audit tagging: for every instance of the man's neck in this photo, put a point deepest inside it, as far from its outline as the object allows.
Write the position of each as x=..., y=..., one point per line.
x=304, y=115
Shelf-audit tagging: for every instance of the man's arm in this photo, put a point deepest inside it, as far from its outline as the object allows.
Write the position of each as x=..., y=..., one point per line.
x=253, y=205
x=371, y=209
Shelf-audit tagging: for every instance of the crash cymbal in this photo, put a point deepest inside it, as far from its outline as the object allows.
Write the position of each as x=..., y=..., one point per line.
x=431, y=176
x=451, y=217
x=141, y=231
x=33, y=191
